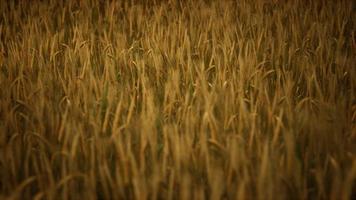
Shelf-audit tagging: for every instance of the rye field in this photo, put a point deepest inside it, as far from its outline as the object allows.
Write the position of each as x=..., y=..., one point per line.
x=169, y=99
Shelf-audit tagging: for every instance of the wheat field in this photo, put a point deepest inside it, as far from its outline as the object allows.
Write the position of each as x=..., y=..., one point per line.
x=195, y=99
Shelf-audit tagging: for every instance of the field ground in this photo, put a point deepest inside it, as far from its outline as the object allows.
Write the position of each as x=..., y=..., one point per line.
x=178, y=99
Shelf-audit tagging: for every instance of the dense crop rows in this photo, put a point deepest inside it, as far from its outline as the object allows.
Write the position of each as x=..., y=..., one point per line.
x=177, y=99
